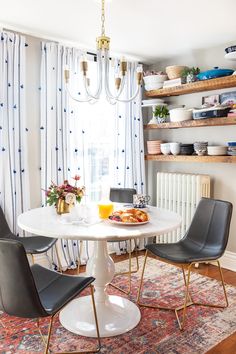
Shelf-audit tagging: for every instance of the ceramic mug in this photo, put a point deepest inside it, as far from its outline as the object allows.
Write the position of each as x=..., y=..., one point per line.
x=140, y=200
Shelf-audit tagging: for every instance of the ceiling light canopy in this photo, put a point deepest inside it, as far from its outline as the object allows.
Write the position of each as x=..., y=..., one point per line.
x=103, y=63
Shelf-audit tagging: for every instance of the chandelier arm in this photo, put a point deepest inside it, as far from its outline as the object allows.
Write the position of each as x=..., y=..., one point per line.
x=76, y=98
x=107, y=87
x=98, y=91
x=131, y=98
x=111, y=101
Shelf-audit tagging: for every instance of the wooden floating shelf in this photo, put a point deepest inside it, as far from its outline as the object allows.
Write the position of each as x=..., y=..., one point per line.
x=198, y=86
x=193, y=123
x=191, y=158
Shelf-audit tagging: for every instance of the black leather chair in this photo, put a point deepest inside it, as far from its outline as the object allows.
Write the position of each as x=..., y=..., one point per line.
x=32, y=244
x=125, y=195
x=35, y=292
x=205, y=241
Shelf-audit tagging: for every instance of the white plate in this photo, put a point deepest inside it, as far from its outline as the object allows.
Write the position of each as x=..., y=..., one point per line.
x=127, y=223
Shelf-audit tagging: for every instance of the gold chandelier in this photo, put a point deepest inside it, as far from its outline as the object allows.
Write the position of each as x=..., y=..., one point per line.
x=103, y=44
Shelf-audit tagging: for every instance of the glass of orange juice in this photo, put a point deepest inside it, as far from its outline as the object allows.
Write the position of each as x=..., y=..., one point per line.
x=105, y=209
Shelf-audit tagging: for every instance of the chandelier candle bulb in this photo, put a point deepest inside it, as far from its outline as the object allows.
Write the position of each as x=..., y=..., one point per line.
x=66, y=74
x=117, y=82
x=84, y=67
x=123, y=66
x=139, y=77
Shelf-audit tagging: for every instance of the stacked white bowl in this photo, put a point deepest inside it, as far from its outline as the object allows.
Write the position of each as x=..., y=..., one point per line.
x=180, y=114
x=165, y=148
x=154, y=147
x=175, y=148
x=217, y=150
x=154, y=82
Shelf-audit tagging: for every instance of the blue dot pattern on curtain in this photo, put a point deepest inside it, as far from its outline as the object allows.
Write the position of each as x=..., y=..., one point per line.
x=14, y=182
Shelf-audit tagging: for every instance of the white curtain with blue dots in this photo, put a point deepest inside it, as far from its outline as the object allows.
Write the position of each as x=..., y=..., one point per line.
x=129, y=168
x=14, y=183
x=129, y=164
x=59, y=151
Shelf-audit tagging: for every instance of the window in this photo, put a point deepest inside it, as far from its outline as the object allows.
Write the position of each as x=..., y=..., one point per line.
x=94, y=143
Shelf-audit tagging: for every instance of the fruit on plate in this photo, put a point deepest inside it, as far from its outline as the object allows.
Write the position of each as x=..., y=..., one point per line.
x=129, y=216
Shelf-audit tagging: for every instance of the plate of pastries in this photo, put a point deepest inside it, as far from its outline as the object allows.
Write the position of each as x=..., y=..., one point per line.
x=129, y=217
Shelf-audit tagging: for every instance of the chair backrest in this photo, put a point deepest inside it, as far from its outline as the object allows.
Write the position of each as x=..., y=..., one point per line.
x=122, y=195
x=210, y=225
x=4, y=228
x=18, y=294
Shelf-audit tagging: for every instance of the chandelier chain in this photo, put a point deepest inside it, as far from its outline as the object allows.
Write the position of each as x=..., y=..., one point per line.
x=103, y=17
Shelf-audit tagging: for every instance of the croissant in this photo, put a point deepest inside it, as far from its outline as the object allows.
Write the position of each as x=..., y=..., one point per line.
x=130, y=216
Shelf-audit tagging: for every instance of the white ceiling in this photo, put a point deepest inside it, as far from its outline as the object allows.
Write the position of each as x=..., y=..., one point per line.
x=145, y=29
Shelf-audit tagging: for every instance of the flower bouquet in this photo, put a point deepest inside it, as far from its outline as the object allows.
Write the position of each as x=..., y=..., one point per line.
x=64, y=196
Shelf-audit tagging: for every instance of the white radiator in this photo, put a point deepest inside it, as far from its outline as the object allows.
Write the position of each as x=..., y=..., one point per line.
x=180, y=193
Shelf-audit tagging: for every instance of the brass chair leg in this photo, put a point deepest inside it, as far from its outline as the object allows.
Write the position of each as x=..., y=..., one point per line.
x=130, y=271
x=225, y=294
x=136, y=255
x=185, y=282
x=46, y=351
x=96, y=350
x=188, y=300
x=222, y=282
x=181, y=325
x=141, y=280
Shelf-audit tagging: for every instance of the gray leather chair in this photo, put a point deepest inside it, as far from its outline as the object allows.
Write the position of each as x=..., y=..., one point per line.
x=32, y=244
x=205, y=240
x=35, y=292
x=125, y=195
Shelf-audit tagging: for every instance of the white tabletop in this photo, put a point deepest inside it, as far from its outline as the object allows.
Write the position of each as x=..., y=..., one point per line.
x=46, y=222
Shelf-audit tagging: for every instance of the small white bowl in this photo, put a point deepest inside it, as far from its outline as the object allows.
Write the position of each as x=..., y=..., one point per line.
x=175, y=148
x=165, y=148
x=151, y=79
x=180, y=114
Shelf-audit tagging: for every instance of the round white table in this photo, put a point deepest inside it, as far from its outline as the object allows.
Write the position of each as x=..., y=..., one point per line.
x=116, y=315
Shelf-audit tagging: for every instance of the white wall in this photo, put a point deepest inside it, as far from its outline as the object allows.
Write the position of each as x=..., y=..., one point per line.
x=222, y=174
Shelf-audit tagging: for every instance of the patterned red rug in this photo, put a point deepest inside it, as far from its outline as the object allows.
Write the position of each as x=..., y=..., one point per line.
x=157, y=331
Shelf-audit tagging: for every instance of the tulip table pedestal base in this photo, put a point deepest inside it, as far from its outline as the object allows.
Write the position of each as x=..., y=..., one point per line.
x=116, y=315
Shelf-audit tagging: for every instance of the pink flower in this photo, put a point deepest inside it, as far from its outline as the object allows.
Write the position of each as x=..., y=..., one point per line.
x=76, y=178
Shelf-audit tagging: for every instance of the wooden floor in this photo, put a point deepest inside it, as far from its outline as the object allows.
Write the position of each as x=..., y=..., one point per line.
x=227, y=346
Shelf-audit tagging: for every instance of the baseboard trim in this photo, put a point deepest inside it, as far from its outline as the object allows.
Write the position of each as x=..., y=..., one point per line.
x=228, y=261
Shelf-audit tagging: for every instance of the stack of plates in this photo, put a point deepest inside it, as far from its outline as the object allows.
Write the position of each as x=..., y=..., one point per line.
x=186, y=149
x=154, y=147
x=200, y=147
x=217, y=150
x=232, y=148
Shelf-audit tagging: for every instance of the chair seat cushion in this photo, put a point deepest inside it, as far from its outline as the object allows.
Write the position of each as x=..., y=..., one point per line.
x=37, y=244
x=56, y=289
x=183, y=252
